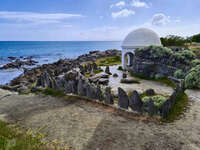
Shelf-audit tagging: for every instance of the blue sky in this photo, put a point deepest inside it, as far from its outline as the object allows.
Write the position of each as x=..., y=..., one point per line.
x=74, y=20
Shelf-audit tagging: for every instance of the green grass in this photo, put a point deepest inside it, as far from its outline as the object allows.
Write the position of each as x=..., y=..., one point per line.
x=54, y=93
x=164, y=80
x=109, y=61
x=13, y=139
x=179, y=108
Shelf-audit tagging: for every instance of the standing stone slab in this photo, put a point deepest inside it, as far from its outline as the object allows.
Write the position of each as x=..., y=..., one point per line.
x=123, y=100
x=80, y=88
x=99, y=93
x=135, y=101
x=108, y=96
x=107, y=70
x=152, y=109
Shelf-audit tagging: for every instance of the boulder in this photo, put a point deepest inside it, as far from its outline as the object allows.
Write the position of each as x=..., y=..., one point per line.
x=81, y=88
x=108, y=96
x=115, y=75
x=135, y=101
x=103, y=81
x=150, y=92
x=107, y=70
x=123, y=100
x=152, y=109
x=124, y=75
x=99, y=93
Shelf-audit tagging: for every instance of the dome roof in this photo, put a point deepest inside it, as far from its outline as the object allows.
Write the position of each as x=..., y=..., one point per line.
x=140, y=38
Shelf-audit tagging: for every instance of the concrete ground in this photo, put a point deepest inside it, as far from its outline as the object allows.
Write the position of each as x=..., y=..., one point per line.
x=85, y=125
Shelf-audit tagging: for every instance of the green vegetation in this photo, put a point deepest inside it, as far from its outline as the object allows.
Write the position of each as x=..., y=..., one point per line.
x=192, y=80
x=178, y=109
x=163, y=80
x=154, y=52
x=53, y=92
x=120, y=68
x=13, y=139
x=179, y=74
x=173, y=40
x=157, y=100
x=109, y=61
x=196, y=38
x=196, y=51
x=195, y=62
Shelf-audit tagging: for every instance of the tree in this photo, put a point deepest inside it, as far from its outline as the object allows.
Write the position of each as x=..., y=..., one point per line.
x=196, y=38
x=173, y=40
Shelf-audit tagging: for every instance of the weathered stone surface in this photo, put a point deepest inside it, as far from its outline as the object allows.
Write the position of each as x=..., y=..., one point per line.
x=152, y=109
x=107, y=70
x=108, y=96
x=99, y=93
x=123, y=100
x=115, y=75
x=124, y=75
x=129, y=81
x=135, y=101
x=150, y=92
x=81, y=88
x=103, y=81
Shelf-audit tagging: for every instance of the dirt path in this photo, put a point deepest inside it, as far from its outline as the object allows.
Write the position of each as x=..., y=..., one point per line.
x=88, y=126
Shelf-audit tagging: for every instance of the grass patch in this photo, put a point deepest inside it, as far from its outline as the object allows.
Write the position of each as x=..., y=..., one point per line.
x=54, y=93
x=164, y=80
x=109, y=61
x=179, y=108
x=13, y=139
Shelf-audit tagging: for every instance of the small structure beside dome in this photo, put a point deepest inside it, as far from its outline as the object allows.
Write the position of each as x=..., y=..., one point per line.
x=137, y=39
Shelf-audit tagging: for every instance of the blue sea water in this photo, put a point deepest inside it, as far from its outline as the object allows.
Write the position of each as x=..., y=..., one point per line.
x=46, y=52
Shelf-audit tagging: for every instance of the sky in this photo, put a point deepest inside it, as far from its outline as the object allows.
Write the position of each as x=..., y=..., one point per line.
x=95, y=20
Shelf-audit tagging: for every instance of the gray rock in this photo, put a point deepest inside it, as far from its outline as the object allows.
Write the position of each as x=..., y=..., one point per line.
x=115, y=75
x=135, y=101
x=99, y=93
x=152, y=109
x=108, y=96
x=150, y=92
x=124, y=75
x=107, y=70
x=123, y=100
x=80, y=88
x=103, y=81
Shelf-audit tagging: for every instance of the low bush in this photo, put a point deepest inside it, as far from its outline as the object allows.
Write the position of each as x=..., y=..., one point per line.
x=120, y=68
x=192, y=80
x=157, y=100
x=153, y=52
x=179, y=74
x=195, y=62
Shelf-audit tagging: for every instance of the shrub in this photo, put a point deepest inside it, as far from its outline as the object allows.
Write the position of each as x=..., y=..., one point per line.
x=153, y=52
x=195, y=62
x=187, y=54
x=120, y=68
x=179, y=74
x=192, y=80
x=157, y=100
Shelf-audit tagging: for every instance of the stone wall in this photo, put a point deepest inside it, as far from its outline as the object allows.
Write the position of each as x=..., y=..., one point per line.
x=151, y=69
x=73, y=82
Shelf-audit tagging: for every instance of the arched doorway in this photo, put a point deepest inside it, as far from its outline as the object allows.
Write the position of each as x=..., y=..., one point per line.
x=128, y=60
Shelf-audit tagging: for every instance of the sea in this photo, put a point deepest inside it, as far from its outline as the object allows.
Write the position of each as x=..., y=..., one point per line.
x=46, y=52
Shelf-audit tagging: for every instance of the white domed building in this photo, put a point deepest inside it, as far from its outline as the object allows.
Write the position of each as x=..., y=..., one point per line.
x=137, y=39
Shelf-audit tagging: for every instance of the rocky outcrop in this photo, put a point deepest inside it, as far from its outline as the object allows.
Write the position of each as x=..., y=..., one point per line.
x=135, y=101
x=108, y=96
x=123, y=100
x=18, y=64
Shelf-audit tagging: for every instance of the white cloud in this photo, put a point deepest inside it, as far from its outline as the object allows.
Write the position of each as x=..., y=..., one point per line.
x=37, y=17
x=123, y=13
x=138, y=3
x=160, y=19
x=119, y=4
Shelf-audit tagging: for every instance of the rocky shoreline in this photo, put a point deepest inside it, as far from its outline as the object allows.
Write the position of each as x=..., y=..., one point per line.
x=30, y=76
